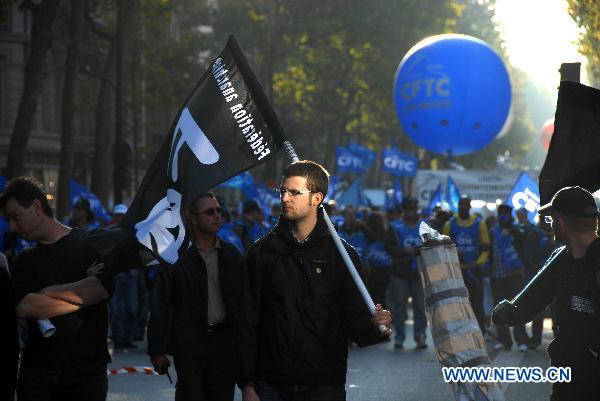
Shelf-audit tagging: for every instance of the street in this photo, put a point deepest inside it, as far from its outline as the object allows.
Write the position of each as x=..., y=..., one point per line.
x=377, y=373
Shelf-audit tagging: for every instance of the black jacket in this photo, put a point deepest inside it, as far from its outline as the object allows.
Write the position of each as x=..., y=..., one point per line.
x=306, y=307
x=178, y=316
x=575, y=284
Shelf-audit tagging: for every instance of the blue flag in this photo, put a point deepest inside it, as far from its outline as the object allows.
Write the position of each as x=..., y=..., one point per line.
x=452, y=194
x=366, y=154
x=525, y=193
x=399, y=163
x=354, y=195
x=393, y=196
x=349, y=162
x=77, y=191
x=435, y=198
x=240, y=181
x=334, y=189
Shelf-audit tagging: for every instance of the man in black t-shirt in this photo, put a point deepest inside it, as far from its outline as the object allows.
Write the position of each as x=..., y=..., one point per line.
x=53, y=280
x=571, y=277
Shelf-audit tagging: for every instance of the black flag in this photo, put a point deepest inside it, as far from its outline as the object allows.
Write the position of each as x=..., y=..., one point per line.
x=225, y=127
x=574, y=156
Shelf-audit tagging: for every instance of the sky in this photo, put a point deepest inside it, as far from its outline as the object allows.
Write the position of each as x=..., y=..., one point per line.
x=539, y=35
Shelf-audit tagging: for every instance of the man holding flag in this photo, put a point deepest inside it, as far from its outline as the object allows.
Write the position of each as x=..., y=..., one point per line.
x=306, y=304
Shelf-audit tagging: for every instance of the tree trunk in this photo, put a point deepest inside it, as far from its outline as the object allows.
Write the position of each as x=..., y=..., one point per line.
x=101, y=165
x=67, y=155
x=41, y=40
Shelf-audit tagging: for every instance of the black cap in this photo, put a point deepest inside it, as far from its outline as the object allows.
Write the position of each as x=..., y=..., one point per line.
x=573, y=202
x=408, y=202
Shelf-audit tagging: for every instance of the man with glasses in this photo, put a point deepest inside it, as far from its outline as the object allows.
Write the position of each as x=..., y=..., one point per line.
x=572, y=278
x=305, y=303
x=196, y=310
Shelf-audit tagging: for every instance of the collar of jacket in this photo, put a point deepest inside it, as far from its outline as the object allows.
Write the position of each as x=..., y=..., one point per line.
x=286, y=242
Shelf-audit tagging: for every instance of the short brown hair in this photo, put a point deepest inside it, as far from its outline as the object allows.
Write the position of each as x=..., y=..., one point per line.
x=25, y=190
x=317, y=177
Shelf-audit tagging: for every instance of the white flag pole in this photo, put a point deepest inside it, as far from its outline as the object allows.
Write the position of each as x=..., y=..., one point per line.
x=289, y=149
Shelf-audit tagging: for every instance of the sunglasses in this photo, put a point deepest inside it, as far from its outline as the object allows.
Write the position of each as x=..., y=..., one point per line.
x=210, y=212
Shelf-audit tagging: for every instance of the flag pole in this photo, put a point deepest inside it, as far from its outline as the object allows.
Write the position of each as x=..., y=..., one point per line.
x=289, y=149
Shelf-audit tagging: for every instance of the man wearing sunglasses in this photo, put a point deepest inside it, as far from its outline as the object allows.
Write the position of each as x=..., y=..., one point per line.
x=571, y=276
x=305, y=302
x=195, y=311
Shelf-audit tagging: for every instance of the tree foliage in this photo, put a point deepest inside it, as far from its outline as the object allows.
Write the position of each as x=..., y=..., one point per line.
x=586, y=13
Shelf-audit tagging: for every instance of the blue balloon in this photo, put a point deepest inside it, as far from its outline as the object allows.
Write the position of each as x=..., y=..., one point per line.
x=452, y=94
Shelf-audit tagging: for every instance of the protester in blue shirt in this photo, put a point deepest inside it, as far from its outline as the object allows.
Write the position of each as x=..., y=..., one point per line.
x=379, y=262
x=508, y=272
x=355, y=232
x=400, y=242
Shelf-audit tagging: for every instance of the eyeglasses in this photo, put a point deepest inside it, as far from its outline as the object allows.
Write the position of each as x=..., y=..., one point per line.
x=292, y=192
x=210, y=212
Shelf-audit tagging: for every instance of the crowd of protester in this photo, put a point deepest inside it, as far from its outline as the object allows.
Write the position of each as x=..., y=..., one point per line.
x=504, y=250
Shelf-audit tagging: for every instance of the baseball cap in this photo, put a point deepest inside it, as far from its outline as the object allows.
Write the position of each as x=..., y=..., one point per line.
x=573, y=202
x=120, y=209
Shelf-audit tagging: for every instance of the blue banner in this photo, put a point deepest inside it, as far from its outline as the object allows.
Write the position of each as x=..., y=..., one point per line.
x=363, y=152
x=525, y=193
x=452, y=194
x=240, y=181
x=77, y=191
x=263, y=195
x=399, y=163
x=349, y=162
x=435, y=198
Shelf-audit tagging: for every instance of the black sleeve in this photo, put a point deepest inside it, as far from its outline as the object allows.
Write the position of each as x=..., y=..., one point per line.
x=356, y=314
x=249, y=313
x=540, y=291
x=161, y=314
x=245, y=335
x=21, y=282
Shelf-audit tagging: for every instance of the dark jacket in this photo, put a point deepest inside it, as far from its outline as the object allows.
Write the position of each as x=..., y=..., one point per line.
x=574, y=283
x=306, y=307
x=179, y=309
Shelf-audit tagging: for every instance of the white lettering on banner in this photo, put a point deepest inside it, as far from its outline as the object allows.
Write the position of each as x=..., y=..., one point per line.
x=243, y=119
x=526, y=199
x=187, y=131
x=347, y=160
x=396, y=163
x=478, y=184
x=154, y=233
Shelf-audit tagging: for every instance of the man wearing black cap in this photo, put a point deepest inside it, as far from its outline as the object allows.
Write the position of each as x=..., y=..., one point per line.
x=573, y=279
x=401, y=243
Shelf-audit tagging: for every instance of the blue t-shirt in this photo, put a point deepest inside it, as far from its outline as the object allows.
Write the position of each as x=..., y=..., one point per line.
x=358, y=240
x=466, y=239
x=407, y=237
x=377, y=257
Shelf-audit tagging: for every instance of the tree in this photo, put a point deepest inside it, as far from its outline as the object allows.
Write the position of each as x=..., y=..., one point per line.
x=586, y=13
x=41, y=39
x=67, y=154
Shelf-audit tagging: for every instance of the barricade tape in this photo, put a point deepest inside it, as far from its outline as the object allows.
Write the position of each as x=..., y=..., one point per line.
x=131, y=369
